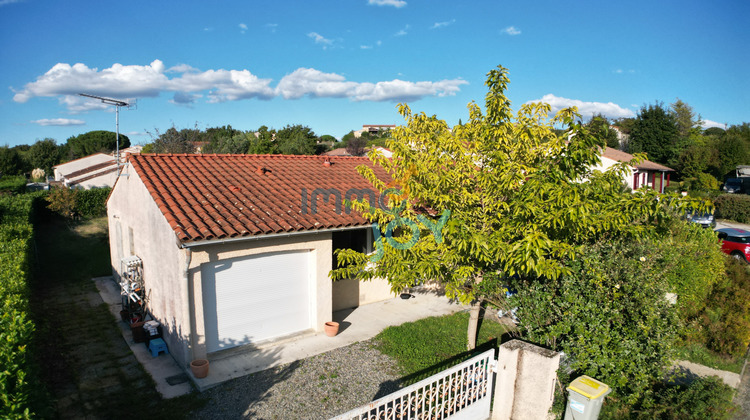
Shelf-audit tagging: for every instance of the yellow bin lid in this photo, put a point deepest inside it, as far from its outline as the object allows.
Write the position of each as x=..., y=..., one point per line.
x=588, y=387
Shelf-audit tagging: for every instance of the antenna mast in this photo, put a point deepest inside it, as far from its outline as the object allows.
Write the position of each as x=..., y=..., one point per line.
x=117, y=103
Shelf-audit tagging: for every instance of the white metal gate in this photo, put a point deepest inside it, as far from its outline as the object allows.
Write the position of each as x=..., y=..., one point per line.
x=461, y=392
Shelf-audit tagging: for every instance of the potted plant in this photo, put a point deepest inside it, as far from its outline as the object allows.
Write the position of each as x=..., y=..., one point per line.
x=199, y=367
x=332, y=328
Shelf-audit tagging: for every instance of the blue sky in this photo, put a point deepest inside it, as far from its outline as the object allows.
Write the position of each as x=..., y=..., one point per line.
x=334, y=65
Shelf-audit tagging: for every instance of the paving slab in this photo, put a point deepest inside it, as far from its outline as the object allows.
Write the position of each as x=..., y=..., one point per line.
x=359, y=324
x=163, y=368
x=730, y=378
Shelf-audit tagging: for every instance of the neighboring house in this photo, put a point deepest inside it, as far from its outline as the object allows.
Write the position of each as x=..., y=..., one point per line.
x=341, y=151
x=94, y=171
x=645, y=174
x=373, y=129
x=236, y=250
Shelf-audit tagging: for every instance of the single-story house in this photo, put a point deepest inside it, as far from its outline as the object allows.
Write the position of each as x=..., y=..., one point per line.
x=645, y=174
x=94, y=171
x=236, y=250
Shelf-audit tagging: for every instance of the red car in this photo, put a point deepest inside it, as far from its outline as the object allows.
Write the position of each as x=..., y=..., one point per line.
x=735, y=242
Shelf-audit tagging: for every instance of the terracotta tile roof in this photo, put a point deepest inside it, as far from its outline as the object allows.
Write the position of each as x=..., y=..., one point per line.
x=205, y=197
x=621, y=156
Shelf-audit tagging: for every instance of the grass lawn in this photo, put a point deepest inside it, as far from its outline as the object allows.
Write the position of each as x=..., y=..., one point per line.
x=87, y=367
x=427, y=346
x=697, y=353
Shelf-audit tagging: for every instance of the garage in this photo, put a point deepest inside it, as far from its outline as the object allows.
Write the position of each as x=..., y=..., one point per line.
x=255, y=298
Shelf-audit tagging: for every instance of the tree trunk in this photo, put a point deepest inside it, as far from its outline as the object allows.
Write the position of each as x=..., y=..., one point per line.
x=471, y=332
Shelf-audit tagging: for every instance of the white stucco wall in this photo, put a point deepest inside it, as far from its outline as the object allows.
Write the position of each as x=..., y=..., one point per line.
x=131, y=207
x=351, y=293
x=319, y=244
x=607, y=163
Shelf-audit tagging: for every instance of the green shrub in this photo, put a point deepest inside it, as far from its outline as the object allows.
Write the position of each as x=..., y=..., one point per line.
x=74, y=203
x=93, y=202
x=12, y=184
x=16, y=327
x=726, y=318
x=702, y=399
x=733, y=207
x=610, y=316
x=692, y=262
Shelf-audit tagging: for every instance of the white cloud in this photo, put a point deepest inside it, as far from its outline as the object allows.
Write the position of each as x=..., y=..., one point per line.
x=403, y=32
x=182, y=68
x=320, y=39
x=6, y=2
x=365, y=47
x=242, y=27
x=182, y=98
x=511, y=30
x=134, y=81
x=188, y=85
x=58, y=122
x=271, y=26
x=586, y=109
x=394, y=3
x=314, y=83
x=709, y=124
x=439, y=25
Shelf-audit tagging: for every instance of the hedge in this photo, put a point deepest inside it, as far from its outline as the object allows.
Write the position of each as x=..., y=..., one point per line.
x=733, y=207
x=17, y=383
x=12, y=184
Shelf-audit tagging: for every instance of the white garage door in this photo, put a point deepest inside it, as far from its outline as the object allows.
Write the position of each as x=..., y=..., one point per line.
x=255, y=298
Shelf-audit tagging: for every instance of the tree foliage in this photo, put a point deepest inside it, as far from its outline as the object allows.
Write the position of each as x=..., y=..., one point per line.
x=174, y=141
x=654, y=132
x=296, y=140
x=99, y=141
x=11, y=162
x=263, y=142
x=502, y=201
x=44, y=154
x=599, y=126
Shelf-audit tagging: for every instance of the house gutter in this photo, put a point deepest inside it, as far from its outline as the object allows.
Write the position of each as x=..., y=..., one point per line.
x=186, y=298
x=266, y=236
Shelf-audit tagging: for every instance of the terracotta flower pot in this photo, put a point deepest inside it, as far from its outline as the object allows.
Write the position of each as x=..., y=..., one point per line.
x=332, y=328
x=199, y=367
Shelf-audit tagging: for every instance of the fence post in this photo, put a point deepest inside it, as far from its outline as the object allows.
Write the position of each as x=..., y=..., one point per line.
x=524, y=381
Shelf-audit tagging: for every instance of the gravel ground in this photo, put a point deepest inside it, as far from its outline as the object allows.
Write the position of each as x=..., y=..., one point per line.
x=743, y=395
x=319, y=387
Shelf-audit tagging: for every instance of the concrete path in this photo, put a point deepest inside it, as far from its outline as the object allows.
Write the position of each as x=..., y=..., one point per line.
x=171, y=381
x=693, y=369
x=357, y=324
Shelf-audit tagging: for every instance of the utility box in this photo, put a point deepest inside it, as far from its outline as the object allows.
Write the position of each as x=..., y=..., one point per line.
x=585, y=398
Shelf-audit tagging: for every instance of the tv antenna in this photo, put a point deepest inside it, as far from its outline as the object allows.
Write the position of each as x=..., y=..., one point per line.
x=117, y=103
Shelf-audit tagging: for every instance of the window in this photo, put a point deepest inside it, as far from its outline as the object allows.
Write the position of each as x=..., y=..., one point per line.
x=360, y=240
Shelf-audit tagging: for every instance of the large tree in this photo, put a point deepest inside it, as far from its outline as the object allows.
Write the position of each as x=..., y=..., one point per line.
x=174, y=141
x=654, y=132
x=296, y=140
x=263, y=142
x=599, y=126
x=11, y=162
x=44, y=154
x=688, y=122
x=494, y=202
x=99, y=141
